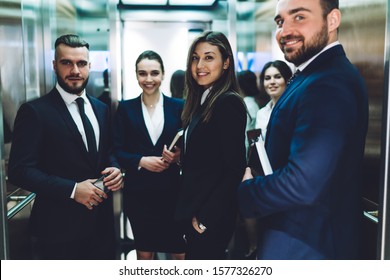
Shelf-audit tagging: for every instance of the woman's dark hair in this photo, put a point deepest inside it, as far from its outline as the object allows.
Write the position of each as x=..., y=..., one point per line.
x=247, y=81
x=177, y=84
x=226, y=83
x=151, y=55
x=283, y=68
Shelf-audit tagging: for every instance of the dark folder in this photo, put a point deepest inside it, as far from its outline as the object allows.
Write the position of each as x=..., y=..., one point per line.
x=257, y=157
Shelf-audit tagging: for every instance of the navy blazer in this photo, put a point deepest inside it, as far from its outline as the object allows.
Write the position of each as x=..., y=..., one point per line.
x=310, y=206
x=213, y=165
x=48, y=156
x=132, y=142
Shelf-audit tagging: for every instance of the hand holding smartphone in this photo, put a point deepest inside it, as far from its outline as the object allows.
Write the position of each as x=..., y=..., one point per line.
x=100, y=184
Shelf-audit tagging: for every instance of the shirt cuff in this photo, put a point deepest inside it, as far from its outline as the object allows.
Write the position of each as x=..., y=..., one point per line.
x=74, y=191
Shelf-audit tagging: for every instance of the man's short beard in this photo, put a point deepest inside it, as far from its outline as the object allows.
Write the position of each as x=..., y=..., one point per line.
x=70, y=90
x=317, y=44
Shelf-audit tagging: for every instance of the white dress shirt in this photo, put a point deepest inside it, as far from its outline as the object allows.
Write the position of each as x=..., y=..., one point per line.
x=70, y=102
x=262, y=117
x=155, y=122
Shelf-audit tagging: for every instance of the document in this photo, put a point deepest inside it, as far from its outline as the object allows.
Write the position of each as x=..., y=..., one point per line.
x=257, y=157
x=264, y=161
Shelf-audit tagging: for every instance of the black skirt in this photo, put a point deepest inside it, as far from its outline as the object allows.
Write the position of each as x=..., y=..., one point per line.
x=151, y=215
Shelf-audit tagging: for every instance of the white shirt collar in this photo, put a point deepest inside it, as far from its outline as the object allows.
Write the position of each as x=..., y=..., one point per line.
x=155, y=122
x=306, y=63
x=70, y=98
x=160, y=102
x=204, y=95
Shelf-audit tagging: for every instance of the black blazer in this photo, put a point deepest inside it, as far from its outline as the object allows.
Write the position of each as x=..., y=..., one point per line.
x=213, y=165
x=48, y=157
x=132, y=142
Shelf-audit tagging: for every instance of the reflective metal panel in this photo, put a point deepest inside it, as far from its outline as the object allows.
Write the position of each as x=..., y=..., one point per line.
x=12, y=90
x=362, y=33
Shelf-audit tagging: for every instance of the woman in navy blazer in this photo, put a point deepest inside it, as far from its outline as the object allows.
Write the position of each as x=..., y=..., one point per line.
x=213, y=162
x=143, y=127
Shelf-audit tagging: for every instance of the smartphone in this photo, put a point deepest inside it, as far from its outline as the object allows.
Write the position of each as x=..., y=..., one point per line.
x=99, y=184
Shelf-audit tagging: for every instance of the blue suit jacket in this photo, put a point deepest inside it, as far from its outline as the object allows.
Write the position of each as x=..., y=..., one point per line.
x=132, y=142
x=310, y=206
x=48, y=157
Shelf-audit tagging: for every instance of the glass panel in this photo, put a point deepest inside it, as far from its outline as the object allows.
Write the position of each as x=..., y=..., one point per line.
x=156, y=32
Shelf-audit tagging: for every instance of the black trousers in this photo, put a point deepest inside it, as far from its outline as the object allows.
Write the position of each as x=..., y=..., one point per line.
x=209, y=245
x=91, y=248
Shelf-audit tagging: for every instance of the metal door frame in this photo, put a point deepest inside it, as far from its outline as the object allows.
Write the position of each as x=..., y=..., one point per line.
x=384, y=224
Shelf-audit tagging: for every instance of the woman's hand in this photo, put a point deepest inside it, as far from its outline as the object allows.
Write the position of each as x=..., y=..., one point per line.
x=247, y=175
x=171, y=156
x=153, y=164
x=195, y=224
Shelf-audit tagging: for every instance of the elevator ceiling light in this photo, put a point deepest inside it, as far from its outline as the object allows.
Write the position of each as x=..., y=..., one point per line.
x=191, y=2
x=143, y=2
x=170, y=2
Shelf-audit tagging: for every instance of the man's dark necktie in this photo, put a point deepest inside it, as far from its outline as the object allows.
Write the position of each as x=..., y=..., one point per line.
x=91, y=140
x=296, y=73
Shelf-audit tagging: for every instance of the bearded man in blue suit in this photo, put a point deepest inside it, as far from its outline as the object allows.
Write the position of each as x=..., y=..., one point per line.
x=310, y=206
x=56, y=155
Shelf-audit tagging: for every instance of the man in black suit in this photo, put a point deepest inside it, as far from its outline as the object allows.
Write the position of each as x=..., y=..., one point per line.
x=58, y=155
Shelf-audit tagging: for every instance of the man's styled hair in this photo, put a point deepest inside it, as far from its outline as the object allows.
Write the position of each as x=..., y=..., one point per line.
x=70, y=40
x=328, y=5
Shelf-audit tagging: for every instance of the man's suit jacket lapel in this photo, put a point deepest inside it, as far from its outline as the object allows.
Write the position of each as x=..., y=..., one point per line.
x=59, y=103
x=100, y=116
x=311, y=68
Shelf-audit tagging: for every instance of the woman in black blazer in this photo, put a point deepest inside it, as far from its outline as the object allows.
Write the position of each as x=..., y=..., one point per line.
x=213, y=156
x=142, y=128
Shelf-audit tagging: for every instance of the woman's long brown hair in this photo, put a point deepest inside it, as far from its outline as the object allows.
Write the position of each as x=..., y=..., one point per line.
x=226, y=83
